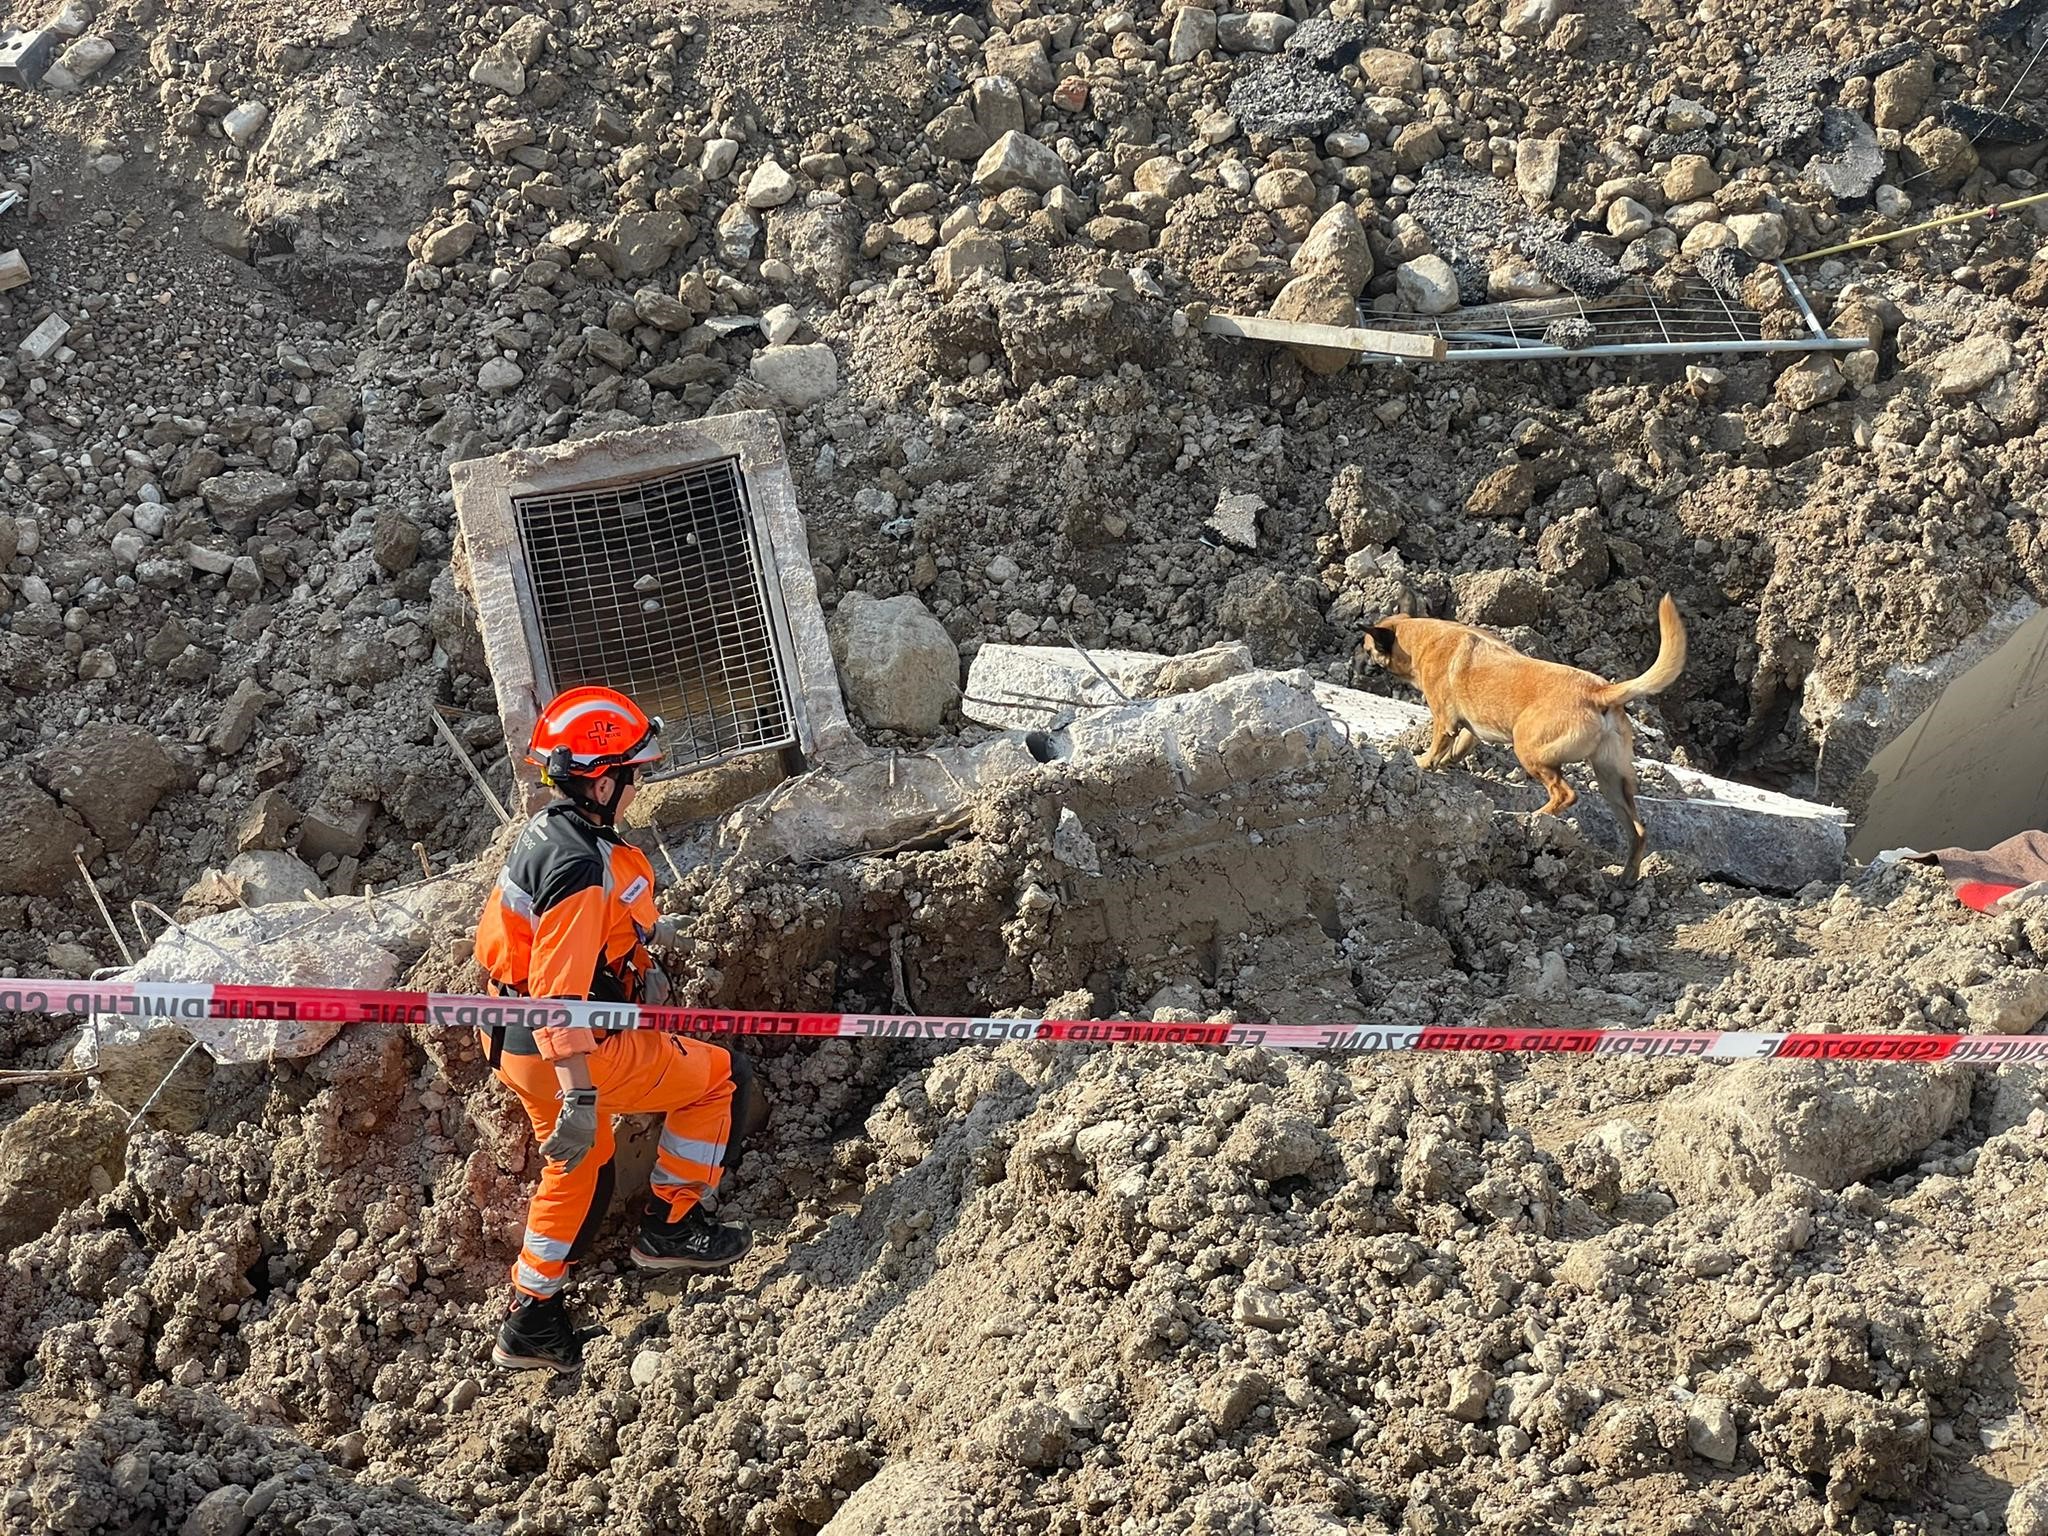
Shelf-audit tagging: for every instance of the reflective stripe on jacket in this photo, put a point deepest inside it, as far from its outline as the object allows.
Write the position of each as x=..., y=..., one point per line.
x=569, y=918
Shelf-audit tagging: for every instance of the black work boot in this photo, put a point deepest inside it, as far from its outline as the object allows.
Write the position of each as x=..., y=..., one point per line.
x=695, y=1242
x=537, y=1337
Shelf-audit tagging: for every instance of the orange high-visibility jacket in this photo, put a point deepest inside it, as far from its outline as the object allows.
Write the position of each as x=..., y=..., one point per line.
x=570, y=917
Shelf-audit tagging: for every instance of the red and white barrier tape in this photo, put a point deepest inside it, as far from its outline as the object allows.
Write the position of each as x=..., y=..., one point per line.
x=199, y=1001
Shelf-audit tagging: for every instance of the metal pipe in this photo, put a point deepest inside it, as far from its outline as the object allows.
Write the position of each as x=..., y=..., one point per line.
x=1652, y=349
x=475, y=774
x=100, y=902
x=1799, y=297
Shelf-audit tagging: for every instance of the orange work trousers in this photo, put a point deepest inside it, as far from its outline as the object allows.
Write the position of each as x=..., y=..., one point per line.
x=635, y=1072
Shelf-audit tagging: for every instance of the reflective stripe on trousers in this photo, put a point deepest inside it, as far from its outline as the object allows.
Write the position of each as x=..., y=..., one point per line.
x=688, y=1082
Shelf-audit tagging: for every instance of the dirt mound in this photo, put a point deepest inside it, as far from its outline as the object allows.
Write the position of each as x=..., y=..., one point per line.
x=1200, y=1290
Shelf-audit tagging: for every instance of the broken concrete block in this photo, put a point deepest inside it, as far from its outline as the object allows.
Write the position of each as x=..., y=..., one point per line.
x=876, y=803
x=42, y=342
x=245, y=122
x=1236, y=519
x=341, y=834
x=25, y=56
x=267, y=823
x=80, y=62
x=268, y=877
x=295, y=944
x=231, y=731
x=1043, y=687
x=1242, y=728
x=1733, y=831
x=1729, y=1135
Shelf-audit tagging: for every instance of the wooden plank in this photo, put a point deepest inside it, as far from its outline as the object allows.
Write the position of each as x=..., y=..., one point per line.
x=13, y=270
x=1348, y=338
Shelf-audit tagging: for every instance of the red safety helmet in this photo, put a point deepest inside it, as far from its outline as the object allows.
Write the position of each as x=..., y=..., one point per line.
x=587, y=732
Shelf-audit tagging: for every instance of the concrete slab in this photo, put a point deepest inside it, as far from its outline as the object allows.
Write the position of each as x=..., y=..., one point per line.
x=341, y=943
x=870, y=803
x=1736, y=832
x=1047, y=687
x=25, y=55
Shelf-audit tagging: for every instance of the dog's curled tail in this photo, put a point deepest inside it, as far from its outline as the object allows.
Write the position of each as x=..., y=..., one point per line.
x=1663, y=671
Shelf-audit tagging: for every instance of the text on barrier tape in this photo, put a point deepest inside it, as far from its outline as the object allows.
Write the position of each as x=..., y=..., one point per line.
x=195, y=1001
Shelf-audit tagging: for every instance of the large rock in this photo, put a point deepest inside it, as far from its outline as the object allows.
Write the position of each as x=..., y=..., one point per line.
x=1728, y=1136
x=1024, y=65
x=54, y=1157
x=500, y=68
x=113, y=776
x=1318, y=298
x=1427, y=285
x=241, y=496
x=1276, y=615
x=908, y=1498
x=1900, y=93
x=770, y=186
x=1253, y=31
x=1969, y=365
x=1336, y=247
x=956, y=134
x=970, y=253
x=817, y=244
x=798, y=376
x=638, y=245
x=1939, y=153
x=1018, y=160
x=1537, y=162
x=78, y=63
x=900, y=667
x=1193, y=34
x=37, y=839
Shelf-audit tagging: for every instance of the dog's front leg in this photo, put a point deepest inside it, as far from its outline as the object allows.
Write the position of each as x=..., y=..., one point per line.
x=1440, y=733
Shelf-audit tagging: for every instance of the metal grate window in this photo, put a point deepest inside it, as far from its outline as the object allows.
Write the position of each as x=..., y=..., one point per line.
x=658, y=588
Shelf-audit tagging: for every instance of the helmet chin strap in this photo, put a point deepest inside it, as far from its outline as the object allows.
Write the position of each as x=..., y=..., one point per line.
x=605, y=813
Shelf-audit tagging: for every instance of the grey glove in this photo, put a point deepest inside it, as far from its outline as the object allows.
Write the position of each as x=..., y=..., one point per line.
x=575, y=1131
x=654, y=988
x=666, y=932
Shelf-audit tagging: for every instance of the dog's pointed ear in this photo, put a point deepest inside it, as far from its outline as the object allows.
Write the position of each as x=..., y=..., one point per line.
x=1379, y=639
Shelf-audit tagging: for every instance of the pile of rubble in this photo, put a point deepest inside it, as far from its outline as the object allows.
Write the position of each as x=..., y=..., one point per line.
x=1208, y=1291
x=265, y=275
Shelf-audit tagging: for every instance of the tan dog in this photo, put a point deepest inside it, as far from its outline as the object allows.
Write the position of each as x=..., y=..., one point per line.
x=1482, y=689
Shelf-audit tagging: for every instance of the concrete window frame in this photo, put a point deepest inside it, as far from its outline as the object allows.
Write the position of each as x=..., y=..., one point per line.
x=486, y=491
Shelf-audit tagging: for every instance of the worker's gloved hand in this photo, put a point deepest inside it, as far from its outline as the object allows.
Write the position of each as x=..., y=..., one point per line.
x=654, y=988
x=575, y=1131
x=666, y=932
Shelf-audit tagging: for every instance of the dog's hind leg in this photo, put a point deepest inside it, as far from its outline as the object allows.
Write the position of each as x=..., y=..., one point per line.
x=1614, y=767
x=1539, y=759
x=1562, y=795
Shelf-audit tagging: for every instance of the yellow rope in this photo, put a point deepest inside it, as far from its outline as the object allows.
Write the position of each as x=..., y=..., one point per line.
x=1988, y=211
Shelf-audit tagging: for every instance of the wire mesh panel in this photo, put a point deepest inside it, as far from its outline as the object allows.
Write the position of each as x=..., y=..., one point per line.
x=659, y=588
x=1635, y=321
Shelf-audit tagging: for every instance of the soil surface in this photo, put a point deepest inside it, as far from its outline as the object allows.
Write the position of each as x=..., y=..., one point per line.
x=302, y=259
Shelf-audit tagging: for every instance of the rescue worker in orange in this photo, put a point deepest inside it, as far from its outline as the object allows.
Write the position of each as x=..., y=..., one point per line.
x=572, y=917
